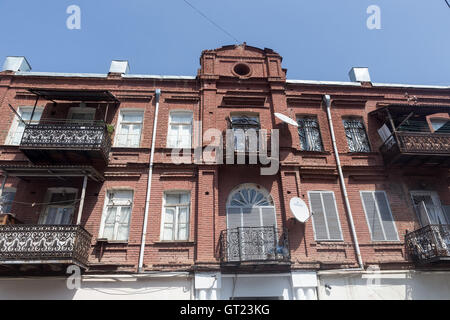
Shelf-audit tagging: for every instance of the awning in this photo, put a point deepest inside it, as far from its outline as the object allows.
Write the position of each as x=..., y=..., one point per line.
x=397, y=110
x=75, y=95
x=42, y=171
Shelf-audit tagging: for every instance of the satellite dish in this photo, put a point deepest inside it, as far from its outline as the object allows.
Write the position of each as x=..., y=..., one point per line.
x=285, y=118
x=299, y=209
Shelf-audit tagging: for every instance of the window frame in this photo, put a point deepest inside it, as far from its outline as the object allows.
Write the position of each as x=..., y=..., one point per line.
x=256, y=127
x=178, y=124
x=8, y=190
x=362, y=121
x=104, y=214
x=316, y=118
x=48, y=196
x=323, y=208
x=175, y=223
x=379, y=215
x=120, y=122
x=15, y=123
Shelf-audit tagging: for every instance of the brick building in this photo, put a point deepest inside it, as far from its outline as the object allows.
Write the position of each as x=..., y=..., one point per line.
x=78, y=150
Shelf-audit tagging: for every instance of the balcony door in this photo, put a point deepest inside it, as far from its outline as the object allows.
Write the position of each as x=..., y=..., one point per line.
x=251, y=224
x=59, y=206
x=428, y=207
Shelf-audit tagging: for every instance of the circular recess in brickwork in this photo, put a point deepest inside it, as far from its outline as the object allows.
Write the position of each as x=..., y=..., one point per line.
x=242, y=70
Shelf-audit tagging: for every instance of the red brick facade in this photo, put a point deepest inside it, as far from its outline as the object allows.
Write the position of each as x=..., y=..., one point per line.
x=212, y=96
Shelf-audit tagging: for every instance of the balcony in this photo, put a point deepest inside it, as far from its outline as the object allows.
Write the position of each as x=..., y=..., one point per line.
x=429, y=244
x=55, y=245
x=52, y=142
x=417, y=148
x=253, y=245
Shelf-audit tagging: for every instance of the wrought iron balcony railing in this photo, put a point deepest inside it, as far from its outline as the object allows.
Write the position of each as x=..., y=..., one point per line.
x=41, y=244
x=254, y=244
x=428, y=244
x=415, y=143
x=90, y=138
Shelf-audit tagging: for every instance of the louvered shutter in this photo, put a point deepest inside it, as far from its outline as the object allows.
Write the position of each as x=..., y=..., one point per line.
x=379, y=217
x=325, y=215
x=334, y=229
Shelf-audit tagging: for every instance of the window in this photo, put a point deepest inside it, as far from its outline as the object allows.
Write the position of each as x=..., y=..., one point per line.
x=116, y=215
x=6, y=200
x=379, y=217
x=60, y=207
x=356, y=135
x=81, y=114
x=130, y=127
x=245, y=129
x=325, y=215
x=180, y=130
x=309, y=133
x=18, y=127
x=175, y=221
x=440, y=125
x=428, y=207
x=250, y=206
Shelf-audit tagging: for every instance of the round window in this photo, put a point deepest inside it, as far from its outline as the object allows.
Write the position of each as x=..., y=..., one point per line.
x=241, y=69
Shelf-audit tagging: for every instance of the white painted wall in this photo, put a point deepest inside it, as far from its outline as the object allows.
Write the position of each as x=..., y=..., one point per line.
x=399, y=285
x=164, y=288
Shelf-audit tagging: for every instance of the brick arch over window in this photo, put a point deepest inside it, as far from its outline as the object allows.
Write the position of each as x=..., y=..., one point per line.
x=250, y=205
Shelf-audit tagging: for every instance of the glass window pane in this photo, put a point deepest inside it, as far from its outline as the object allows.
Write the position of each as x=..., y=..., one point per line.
x=66, y=215
x=111, y=215
x=182, y=232
x=169, y=215
x=108, y=231
x=172, y=198
x=168, y=232
x=122, y=232
x=181, y=117
x=132, y=117
x=183, y=215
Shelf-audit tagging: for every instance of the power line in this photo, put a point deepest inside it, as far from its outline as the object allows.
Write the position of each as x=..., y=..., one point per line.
x=211, y=21
x=448, y=4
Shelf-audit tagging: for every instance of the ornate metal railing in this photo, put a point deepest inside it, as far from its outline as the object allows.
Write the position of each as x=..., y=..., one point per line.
x=429, y=243
x=415, y=142
x=44, y=244
x=254, y=244
x=67, y=136
x=423, y=142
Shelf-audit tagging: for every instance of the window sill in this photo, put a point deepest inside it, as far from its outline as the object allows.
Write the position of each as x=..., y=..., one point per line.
x=174, y=242
x=102, y=240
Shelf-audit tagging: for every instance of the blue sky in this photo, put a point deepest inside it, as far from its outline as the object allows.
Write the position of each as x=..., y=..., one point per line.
x=319, y=40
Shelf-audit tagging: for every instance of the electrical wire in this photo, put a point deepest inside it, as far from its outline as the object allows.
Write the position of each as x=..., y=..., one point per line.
x=448, y=4
x=211, y=21
x=33, y=204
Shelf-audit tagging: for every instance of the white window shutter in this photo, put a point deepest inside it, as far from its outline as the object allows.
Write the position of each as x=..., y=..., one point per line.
x=320, y=226
x=334, y=228
x=325, y=215
x=378, y=215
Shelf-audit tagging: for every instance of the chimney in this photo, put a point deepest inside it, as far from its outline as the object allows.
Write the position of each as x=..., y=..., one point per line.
x=358, y=74
x=119, y=66
x=16, y=64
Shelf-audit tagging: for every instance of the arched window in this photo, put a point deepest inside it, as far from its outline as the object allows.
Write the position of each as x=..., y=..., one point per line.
x=250, y=205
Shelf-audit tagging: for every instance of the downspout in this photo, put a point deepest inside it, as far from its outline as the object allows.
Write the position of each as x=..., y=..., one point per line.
x=149, y=183
x=327, y=100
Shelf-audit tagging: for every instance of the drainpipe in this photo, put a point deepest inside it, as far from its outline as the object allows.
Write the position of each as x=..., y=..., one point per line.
x=149, y=183
x=327, y=100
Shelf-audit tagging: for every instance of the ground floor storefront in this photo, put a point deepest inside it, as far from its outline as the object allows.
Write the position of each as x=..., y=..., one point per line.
x=295, y=285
